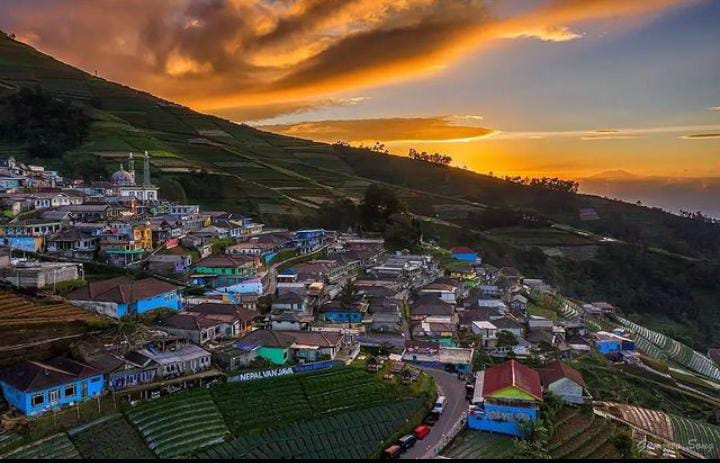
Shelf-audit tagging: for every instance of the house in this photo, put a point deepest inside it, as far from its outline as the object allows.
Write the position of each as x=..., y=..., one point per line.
x=508, y=325
x=171, y=357
x=565, y=382
x=290, y=321
x=290, y=301
x=464, y=254
x=121, y=296
x=335, y=312
x=605, y=308
x=487, y=333
x=446, y=292
x=431, y=305
x=493, y=304
x=386, y=322
x=225, y=270
x=170, y=263
x=607, y=343
x=35, y=274
x=307, y=241
x=4, y=258
x=279, y=347
x=505, y=396
x=489, y=291
x=519, y=303
x=438, y=330
x=73, y=243
x=434, y=355
x=34, y=387
x=231, y=358
x=210, y=322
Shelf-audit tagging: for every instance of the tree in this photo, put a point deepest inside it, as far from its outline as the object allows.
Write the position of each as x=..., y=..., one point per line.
x=379, y=204
x=403, y=232
x=348, y=294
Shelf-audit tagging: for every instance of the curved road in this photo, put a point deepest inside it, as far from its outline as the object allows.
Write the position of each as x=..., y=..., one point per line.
x=454, y=391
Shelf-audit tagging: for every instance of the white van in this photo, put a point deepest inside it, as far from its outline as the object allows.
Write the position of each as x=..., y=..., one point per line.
x=439, y=406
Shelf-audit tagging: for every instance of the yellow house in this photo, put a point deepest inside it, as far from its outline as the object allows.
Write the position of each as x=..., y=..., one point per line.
x=142, y=235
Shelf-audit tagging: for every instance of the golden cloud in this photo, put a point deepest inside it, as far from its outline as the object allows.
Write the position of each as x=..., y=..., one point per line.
x=226, y=55
x=702, y=136
x=427, y=129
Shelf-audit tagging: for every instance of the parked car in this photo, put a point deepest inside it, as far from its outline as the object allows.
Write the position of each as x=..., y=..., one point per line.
x=430, y=419
x=392, y=452
x=407, y=441
x=439, y=406
x=421, y=431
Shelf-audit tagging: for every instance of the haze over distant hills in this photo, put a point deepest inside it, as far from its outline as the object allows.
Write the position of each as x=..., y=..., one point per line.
x=670, y=193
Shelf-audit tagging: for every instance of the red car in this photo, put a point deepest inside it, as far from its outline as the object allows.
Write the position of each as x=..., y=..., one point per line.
x=422, y=431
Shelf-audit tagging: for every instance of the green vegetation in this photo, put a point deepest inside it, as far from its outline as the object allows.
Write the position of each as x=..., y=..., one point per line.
x=57, y=447
x=110, y=438
x=580, y=434
x=299, y=397
x=475, y=445
x=701, y=437
x=357, y=434
x=665, y=268
x=179, y=424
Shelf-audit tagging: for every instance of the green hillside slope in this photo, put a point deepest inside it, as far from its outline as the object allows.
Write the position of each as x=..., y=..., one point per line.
x=664, y=265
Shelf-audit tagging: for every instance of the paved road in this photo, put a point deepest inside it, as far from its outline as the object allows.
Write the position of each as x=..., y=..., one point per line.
x=454, y=390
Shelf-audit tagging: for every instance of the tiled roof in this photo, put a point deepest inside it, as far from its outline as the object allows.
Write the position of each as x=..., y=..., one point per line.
x=35, y=376
x=558, y=370
x=121, y=290
x=512, y=373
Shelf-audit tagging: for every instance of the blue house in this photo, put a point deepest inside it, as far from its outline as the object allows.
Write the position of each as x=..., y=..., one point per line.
x=335, y=312
x=309, y=240
x=464, y=254
x=121, y=296
x=608, y=343
x=34, y=387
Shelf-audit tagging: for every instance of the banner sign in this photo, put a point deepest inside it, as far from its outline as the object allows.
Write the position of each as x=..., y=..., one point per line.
x=284, y=371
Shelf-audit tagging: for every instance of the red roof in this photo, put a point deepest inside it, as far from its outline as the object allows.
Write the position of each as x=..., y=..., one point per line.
x=558, y=370
x=461, y=250
x=512, y=373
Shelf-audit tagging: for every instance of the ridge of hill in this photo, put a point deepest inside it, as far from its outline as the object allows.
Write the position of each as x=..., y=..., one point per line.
x=645, y=260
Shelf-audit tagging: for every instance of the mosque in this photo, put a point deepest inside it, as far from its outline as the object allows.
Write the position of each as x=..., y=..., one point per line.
x=125, y=183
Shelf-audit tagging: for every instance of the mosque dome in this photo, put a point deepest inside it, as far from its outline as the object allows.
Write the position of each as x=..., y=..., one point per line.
x=122, y=178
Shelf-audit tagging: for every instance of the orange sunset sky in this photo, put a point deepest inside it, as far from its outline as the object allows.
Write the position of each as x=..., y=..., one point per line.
x=525, y=87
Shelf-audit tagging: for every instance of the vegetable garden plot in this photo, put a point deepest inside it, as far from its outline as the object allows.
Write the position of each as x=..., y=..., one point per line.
x=179, y=425
x=57, y=447
x=110, y=438
x=356, y=434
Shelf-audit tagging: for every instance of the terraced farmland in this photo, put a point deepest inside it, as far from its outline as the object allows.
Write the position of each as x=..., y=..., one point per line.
x=21, y=311
x=693, y=434
x=181, y=424
x=57, y=447
x=580, y=435
x=112, y=437
x=673, y=350
x=471, y=444
x=355, y=434
x=297, y=397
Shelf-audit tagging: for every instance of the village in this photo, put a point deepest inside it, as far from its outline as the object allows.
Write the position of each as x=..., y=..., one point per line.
x=179, y=300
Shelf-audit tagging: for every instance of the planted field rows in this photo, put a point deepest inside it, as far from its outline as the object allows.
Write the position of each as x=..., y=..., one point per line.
x=180, y=424
x=351, y=435
x=16, y=309
x=110, y=438
x=57, y=447
x=580, y=435
x=246, y=406
x=471, y=444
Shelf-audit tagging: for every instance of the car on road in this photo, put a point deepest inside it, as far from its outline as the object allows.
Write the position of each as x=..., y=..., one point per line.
x=421, y=431
x=430, y=419
x=407, y=441
x=439, y=405
x=392, y=452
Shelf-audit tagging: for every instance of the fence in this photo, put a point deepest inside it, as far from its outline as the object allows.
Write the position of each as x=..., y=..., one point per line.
x=446, y=438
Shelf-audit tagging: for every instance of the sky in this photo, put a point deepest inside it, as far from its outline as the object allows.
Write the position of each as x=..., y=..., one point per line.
x=568, y=88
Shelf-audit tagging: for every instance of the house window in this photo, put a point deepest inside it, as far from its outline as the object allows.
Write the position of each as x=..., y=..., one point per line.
x=69, y=390
x=54, y=395
x=37, y=399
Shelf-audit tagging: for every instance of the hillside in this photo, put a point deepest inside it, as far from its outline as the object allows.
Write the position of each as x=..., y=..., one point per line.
x=672, y=261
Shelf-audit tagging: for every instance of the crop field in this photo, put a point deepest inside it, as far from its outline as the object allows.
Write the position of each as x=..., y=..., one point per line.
x=473, y=444
x=112, y=438
x=674, y=350
x=355, y=434
x=580, y=435
x=297, y=397
x=20, y=311
x=179, y=424
x=693, y=434
x=57, y=447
